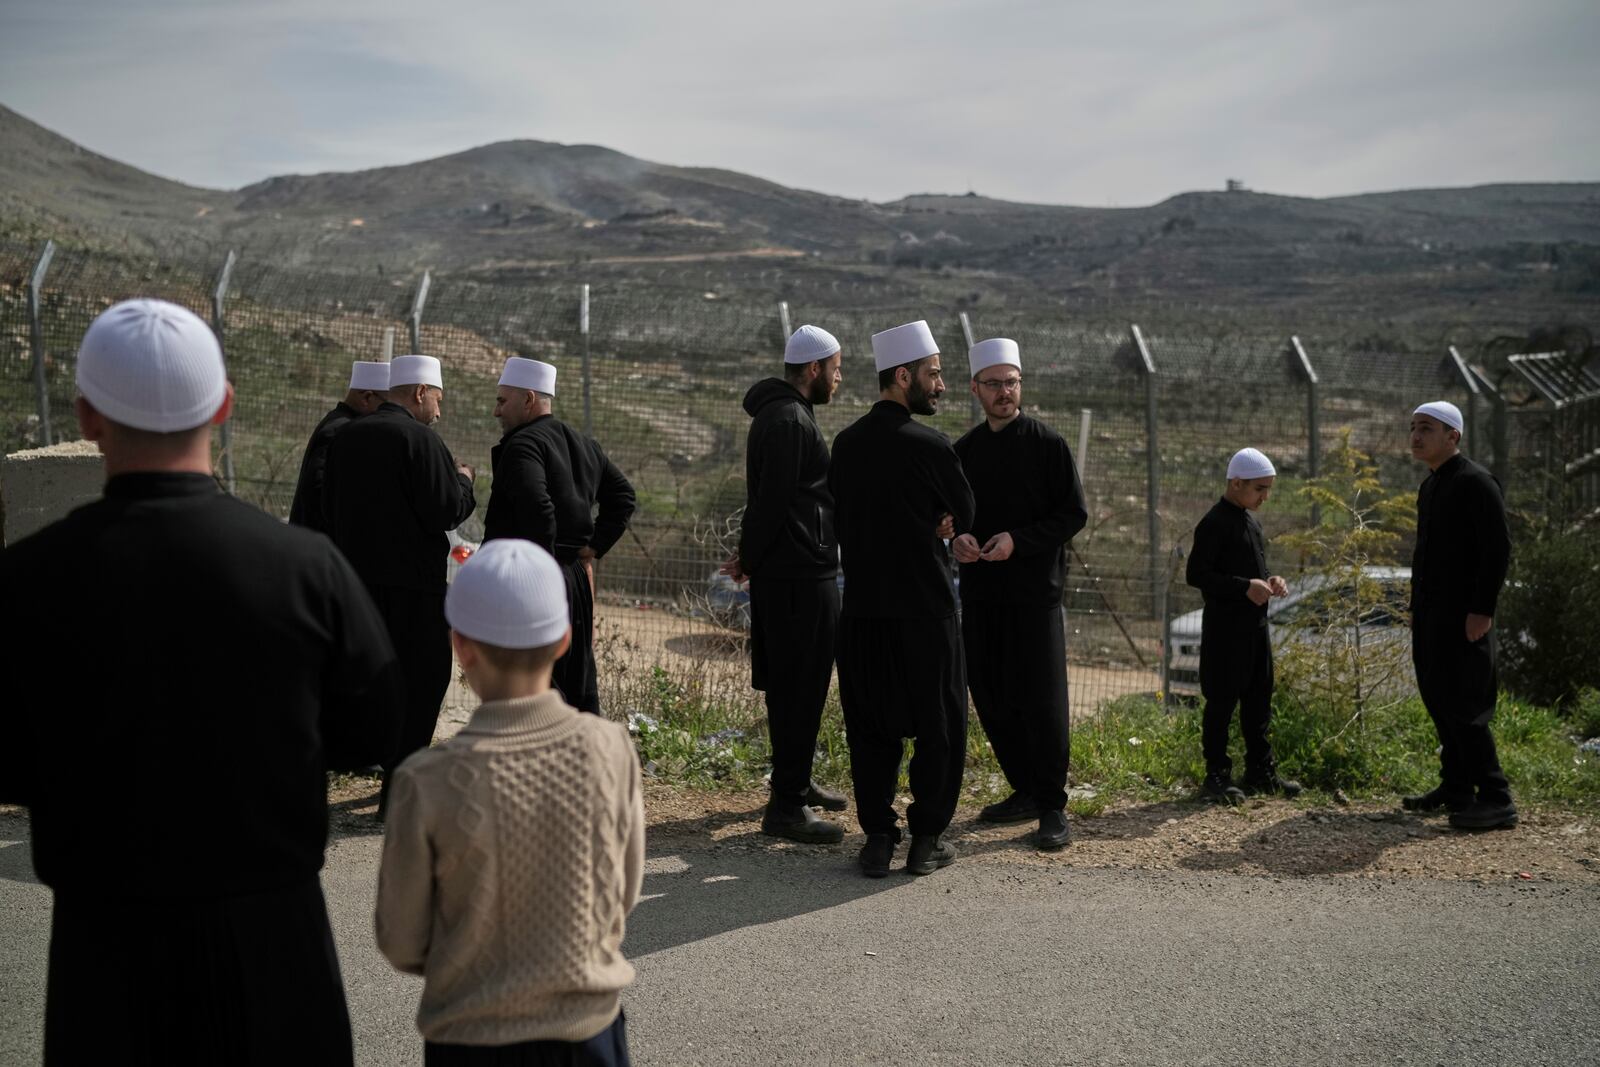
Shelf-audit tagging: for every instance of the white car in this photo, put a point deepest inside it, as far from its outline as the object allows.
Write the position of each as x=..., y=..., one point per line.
x=1290, y=618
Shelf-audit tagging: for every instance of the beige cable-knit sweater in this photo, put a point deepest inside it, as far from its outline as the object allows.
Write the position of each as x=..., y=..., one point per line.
x=512, y=855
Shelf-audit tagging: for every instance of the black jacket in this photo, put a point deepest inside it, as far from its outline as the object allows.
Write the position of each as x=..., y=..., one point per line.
x=390, y=493
x=891, y=479
x=1026, y=484
x=548, y=478
x=306, y=510
x=788, y=516
x=1463, y=543
x=1229, y=550
x=168, y=637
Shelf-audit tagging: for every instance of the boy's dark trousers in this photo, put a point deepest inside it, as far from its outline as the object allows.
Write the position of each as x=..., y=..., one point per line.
x=1236, y=668
x=608, y=1048
x=1457, y=681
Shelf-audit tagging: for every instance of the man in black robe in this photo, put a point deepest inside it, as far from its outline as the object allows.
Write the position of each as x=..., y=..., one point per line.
x=1463, y=550
x=186, y=671
x=788, y=552
x=1228, y=564
x=549, y=483
x=368, y=384
x=1013, y=570
x=391, y=493
x=901, y=671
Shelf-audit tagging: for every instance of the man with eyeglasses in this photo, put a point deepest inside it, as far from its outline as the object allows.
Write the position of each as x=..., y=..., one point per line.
x=1013, y=570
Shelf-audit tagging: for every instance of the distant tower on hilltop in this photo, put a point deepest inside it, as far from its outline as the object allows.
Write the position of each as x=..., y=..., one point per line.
x=1236, y=185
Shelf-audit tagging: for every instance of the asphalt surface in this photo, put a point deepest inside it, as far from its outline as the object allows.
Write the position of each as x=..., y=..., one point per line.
x=748, y=955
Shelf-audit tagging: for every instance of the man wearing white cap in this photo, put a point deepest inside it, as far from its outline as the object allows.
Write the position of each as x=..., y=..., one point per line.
x=514, y=851
x=557, y=488
x=901, y=670
x=788, y=552
x=174, y=636
x=1462, y=552
x=1013, y=578
x=368, y=384
x=390, y=494
x=1228, y=564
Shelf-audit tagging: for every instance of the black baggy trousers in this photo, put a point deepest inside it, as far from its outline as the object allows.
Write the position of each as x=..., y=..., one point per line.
x=1017, y=672
x=1458, y=682
x=793, y=626
x=421, y=639
x=574, y=673
x=1236, y=671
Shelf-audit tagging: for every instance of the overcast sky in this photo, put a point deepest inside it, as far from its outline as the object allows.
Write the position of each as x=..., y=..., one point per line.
x=1096, y=103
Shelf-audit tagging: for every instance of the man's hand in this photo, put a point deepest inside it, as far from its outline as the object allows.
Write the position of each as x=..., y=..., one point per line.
x=587, y=557
x=462, y=468
x=731, y=568
x=965, y=549
x=947, y=527
x=1278, y=586
x=1478, y=625
x=997, y=548
x=1259, y=592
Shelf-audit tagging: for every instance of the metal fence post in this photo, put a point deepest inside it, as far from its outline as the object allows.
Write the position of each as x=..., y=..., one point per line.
x=1147, y=367
x=588, y=374
x=1313, y=417
x=388, y=344
x=419, y=302
x=41, y=392
x=1085, y=416
x=218, y=297
x=973, y=407
x=783, y=319
x=1473, y=393
x=1499, y=430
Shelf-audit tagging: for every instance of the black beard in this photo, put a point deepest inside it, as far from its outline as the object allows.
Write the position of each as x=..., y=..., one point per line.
x=920, y=401
x=820, y=392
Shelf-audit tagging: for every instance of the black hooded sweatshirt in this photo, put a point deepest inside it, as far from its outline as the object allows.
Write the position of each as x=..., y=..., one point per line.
x=788, y=516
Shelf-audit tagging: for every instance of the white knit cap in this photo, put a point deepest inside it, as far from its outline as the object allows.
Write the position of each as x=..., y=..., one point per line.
x=1250, y=463
x=1444, y=411
x=903, y=344
x=809, y=343
x=153, y=366
x=365, y=375
x=415, y=370
x=529, y=374
x=993, y=352
x=509, y=593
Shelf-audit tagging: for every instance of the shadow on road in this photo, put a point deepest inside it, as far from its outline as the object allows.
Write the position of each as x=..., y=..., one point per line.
x=976, y=838
x=1317, y=842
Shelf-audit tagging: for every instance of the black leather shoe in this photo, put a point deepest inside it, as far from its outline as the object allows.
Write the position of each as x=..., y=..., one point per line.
x=800, y=824
x=820, y=796
x=1436, y=799
x=1481, y=816
x=1269, y=782
x=1014, y=808
x=927, y=854
x=877, y=854
x=1220, y=787
x=1053, y=831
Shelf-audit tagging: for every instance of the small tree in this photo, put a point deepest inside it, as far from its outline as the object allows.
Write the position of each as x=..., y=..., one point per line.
x=1347, y=641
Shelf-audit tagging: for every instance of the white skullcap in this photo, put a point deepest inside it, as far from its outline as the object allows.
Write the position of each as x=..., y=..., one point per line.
x=365, y=375
x=509, y=593
x=415, y=370
x=809, y=343
x=993, y=352
x=153, y=366
x=903, y=344
x=1444, y=411
x=529, y=374
x=1250, y=463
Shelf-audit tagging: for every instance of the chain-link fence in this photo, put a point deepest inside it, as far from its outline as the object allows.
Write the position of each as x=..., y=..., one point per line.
x=657, y=374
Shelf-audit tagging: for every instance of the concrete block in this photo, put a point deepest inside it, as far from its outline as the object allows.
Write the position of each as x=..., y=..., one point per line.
x=41, y=485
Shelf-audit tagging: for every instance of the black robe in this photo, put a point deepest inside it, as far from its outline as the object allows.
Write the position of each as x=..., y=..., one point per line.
x=1026, y=484
x=306, y=508
x=186, y=662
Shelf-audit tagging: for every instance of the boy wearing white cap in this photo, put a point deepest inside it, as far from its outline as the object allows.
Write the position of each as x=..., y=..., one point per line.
x=272, y=666
x=1228, y=564
x=1458, y=566
x=901, y=669
x=557, y=488
x=514, y=851
x=390, y=493
x=788, y=552
x=1013, y=578
x=368, y=383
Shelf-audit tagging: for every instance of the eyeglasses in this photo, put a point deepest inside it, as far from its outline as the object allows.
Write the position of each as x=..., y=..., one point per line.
x=1000, y=385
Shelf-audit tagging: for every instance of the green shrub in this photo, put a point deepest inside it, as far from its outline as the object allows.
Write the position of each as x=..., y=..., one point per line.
x=1549, y=629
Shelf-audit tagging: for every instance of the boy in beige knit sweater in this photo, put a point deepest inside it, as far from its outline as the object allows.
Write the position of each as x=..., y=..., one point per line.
x=513, y=852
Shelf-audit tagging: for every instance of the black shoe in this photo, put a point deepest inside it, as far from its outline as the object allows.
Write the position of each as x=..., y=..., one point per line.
x=820, y=796
x=1435, y=799
x=877, y=854
x=1485, y=816
x=800, y=824
x=1014, y=808
x=1218, y=786
x=1053, y=831
x=1269, y=782
x=927, y=854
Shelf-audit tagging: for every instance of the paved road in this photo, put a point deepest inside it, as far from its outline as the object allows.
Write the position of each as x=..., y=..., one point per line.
x=753, y=956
